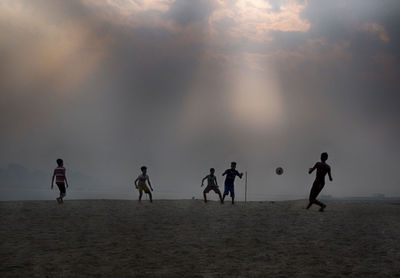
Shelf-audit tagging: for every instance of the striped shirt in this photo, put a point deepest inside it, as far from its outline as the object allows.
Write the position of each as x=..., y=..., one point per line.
x=142, y=179
x=59, y=172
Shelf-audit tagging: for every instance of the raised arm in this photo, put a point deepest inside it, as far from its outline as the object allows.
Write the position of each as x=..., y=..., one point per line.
x=312, y=169
x=224, y=173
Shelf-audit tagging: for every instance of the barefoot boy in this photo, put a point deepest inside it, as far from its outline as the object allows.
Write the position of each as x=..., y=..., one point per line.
x=211, y=185
x=59, y=174
x=229, y=181
x=141, y=185
x=322, y=169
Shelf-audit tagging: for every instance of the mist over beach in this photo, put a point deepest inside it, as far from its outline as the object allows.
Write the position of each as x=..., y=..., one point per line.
x=113, y=113
x=181, y=87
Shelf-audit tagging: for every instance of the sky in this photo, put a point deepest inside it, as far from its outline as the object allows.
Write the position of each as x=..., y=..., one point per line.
x=183, y=86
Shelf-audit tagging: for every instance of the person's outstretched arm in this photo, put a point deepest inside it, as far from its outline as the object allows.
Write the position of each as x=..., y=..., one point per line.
x=224, y=173
x=240, y=175
x=312, y=169
x=329, y=174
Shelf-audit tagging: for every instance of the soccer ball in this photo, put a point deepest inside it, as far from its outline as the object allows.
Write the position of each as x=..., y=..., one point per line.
x=279, y=171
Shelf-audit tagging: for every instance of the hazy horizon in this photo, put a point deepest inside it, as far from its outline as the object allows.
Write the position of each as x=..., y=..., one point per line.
x=181, y=87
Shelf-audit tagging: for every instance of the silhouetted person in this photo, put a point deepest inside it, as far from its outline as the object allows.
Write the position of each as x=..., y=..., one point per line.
x=141, y=185
x=322, y=169
x=61, y=180
x=212, y=184
x=229, y=181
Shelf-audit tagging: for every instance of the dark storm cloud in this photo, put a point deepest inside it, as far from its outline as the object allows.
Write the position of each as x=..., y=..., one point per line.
x=186, y=13
x=155, y=86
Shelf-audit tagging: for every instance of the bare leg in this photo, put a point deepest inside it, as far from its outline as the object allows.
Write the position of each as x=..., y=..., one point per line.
x=220, y=198
x=140, y=196
x=62, y=195
x=322, y=205
x=315, y=201
x=150, y=196
x=315, y=190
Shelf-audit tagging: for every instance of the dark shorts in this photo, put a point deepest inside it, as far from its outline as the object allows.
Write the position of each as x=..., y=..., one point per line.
x=229, y=188
x=212, y=187
x=61, y=187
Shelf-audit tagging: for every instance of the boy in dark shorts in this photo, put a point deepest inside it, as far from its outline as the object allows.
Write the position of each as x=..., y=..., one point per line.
x=212, y=184
x=229, y=181
x=141, y=185
x=61, y=180
x=322, y=169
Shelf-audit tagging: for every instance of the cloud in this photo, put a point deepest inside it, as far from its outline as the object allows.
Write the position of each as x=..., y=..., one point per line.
x=376, y=30
x=42, y=49
x=130, y=7
x=253, y=20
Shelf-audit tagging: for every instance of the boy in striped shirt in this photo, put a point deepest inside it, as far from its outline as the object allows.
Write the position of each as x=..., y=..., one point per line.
x=61, y=180
x=141, y=185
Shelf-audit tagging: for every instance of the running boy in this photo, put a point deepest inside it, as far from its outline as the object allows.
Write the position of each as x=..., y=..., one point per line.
x=229, y=181
x=59, y=174
x=322, y=169
x=212, y=184
x=141, y=185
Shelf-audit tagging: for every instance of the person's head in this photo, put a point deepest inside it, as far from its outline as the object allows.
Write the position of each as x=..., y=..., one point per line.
x=324, y=157
x=144, y=169
x=60, y=162
x=233, y=165
x=212, y=171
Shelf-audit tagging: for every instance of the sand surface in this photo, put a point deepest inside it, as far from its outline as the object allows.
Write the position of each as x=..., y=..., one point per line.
x=187, y=238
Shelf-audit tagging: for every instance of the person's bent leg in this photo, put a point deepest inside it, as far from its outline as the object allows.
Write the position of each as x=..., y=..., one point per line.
x=313, y=194
x=226, y=192
x=317, y=191
x=220, y=197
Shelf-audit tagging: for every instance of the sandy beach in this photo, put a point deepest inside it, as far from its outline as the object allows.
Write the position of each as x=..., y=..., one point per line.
x=188, y=238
